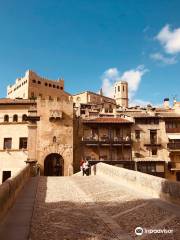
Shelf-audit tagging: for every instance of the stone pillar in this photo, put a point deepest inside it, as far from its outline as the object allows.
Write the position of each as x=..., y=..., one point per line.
x=32, y=141
x=32, y=134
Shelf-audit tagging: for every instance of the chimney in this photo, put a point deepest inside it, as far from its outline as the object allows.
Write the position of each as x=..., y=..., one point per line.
x=101, y=92
x=166, y=103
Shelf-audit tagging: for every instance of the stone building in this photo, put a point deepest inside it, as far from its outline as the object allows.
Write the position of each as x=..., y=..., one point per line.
x=107, y=139
x=42, y=123
x=32, y=86
x=38, y=129
x=14, y=135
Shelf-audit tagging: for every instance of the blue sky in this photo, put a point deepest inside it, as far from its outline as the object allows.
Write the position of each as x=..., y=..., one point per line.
x=93, y=43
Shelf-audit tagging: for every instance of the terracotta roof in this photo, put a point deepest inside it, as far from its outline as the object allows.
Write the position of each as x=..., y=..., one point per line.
x=107, y=120
x=97, y=94
x=9, y=101
x=169, y=115
x=141, y=115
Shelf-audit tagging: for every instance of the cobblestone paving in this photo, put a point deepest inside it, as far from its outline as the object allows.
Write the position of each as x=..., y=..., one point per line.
x=72, y=208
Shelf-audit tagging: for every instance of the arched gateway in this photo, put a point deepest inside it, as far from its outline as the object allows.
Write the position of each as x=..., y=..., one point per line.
x=54, y=165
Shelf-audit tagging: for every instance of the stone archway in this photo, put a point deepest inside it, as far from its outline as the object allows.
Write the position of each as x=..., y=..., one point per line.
x=54, y=165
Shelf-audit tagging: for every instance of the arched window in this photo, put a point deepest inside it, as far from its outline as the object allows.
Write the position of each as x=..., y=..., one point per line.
x=6, y=118
x=54, y=139
x=15, y=118
x=24, y=118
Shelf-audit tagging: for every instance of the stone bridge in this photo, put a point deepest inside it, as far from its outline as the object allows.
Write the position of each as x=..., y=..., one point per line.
x=106, y=206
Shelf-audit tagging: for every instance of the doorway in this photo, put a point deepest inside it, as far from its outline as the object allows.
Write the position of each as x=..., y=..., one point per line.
x=178, y=176
x=53, y=165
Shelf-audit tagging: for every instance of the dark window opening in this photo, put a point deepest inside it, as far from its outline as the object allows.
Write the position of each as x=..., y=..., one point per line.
x=61, y=88
x=6, y=118
x=23, y=143
x=137, y=134
x=45, y=84
x=39, y=82
x=24, y=117
x=6, y=175
x=54, y=86
x=154, y=151
x=15, y=118
x=54, y=139
x=153, y=136
x=7, y=143
x=57, y=87
x=34, y=81
x=50, y=85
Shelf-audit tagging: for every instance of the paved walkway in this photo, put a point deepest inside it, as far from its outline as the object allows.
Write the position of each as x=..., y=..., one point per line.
x=86, y=208
x=93, y=207
x=16, y=225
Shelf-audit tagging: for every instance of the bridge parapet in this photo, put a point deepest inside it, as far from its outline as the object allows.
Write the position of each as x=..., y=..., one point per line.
x=11, y=187
x=141, y=182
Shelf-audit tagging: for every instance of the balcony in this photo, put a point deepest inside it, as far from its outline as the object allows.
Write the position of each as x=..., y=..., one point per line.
x=107, y=141
x=172, y=130
x=153, y=143
x=174, y=146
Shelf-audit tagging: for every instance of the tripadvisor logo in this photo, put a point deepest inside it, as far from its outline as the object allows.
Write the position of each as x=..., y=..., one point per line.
x=139, y=231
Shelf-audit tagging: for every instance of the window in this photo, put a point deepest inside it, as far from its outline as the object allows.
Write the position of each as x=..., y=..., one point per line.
x=45, y=84
x=154, y=151
x=153, y=136
x=24, y=117
x=118, y=88
x=34, y=81
x=6, y=118
x=50, y=98
x=6, y=175
x=54, y=139
x=54, y=86
x=15, y=118
x=23, y=143
x=39, y=82
x=50, y=85
x=123, y=88
x=137, y=134
x=57, y=87
x=61, y=88
x=7, y=143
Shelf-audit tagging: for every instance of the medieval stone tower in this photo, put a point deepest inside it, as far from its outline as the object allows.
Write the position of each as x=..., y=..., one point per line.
x=121, y=93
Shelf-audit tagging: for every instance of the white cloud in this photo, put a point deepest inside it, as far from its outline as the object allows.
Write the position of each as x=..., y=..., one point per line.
x=111, y=73
x=107, y=87
x=160, y=57
x=132, y=76
x=170, y=39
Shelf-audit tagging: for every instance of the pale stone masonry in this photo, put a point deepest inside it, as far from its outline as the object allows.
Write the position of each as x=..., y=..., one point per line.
x=41, y=122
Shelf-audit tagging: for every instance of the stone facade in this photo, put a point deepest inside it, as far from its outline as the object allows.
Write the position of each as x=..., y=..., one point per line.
x=33, y=86
x=58, y=130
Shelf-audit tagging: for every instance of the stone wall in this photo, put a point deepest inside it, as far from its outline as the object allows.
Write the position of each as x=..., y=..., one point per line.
x=153, y=186
x=10, y=188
